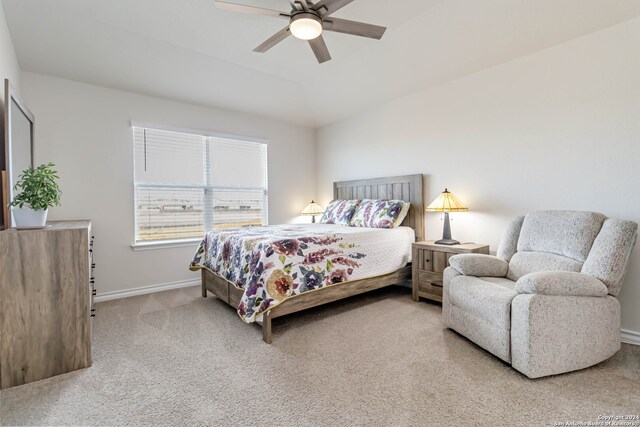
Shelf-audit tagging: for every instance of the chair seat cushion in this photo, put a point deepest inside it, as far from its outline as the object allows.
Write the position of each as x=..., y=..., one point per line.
x=486, y=297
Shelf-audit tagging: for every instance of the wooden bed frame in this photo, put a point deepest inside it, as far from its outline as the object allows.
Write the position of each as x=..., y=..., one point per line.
x=407, y=188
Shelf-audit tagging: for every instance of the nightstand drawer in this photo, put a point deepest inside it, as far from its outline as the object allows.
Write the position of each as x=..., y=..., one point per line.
x=429, y=278
x=429, y=288
x=440, y=261
x=433, y=261
x=425, y=260
x=429, y=262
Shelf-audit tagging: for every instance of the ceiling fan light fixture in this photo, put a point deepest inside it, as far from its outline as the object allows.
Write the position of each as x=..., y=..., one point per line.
x=305, y=26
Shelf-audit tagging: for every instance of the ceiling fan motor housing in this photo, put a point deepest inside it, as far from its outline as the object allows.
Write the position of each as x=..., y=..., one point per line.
x=306, y=25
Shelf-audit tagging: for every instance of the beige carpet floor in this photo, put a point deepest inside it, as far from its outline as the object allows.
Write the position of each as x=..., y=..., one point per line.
x=174, y=358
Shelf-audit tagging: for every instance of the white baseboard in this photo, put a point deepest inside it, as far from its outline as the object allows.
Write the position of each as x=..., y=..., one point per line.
x=630, y=337
x=107, y=296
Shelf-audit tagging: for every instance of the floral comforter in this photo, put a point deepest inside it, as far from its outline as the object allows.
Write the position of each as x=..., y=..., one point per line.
x=274, y=263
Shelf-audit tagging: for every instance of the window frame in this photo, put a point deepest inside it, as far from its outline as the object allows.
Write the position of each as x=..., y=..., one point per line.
x=208, y=188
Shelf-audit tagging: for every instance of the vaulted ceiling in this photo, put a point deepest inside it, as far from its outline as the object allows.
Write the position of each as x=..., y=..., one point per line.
x=189, y=50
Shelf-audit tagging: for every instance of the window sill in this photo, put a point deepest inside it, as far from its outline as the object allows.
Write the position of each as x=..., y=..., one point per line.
x=166, y=244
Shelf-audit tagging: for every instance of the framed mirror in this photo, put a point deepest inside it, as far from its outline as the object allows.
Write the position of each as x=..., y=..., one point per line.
x=18, y=147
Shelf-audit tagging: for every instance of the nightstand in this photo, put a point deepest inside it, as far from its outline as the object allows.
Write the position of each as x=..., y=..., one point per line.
x=430, y=260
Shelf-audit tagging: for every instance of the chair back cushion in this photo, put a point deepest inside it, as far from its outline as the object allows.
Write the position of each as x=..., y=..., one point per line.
x=509, y=243
x=610, y=253
x=531, y=262
x=566, y=233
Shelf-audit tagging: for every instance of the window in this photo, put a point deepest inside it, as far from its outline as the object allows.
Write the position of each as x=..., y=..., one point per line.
x=187, y=184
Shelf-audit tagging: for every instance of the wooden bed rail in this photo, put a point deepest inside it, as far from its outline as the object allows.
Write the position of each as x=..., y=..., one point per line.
x=228, y=293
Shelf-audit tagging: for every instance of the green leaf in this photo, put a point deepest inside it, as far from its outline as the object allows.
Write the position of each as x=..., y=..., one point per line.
x=38, y=188
x=287, y=268
x=282, y=259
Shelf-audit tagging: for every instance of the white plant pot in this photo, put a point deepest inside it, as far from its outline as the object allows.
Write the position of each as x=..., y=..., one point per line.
x=28, y=218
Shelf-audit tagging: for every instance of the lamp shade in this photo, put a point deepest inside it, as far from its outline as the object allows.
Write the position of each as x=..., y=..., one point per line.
x=312, y=209
x=446, y=202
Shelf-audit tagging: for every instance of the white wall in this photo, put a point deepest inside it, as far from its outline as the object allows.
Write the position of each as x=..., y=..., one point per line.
x=9, y=68
x=558, y=129
x=85, y=130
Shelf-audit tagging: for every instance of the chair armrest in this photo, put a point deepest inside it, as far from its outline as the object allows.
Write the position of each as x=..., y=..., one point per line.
x=479, y=265
x=561, y=283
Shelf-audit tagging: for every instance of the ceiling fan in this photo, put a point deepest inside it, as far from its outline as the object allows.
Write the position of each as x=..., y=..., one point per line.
x=307, y=20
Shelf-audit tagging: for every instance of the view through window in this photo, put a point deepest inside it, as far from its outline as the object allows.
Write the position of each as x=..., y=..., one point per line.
x=187, y=184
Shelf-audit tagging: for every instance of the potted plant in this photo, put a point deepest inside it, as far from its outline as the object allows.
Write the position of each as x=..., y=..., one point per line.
x=38, y=192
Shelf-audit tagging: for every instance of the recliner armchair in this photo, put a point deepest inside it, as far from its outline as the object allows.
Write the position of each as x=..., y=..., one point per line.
x=547, y=302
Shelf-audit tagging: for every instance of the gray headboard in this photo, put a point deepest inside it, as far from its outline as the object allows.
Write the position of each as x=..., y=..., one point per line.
x=406, y=187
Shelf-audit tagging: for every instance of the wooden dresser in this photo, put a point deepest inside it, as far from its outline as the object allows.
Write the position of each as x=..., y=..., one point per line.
x=430, y=260
x=46, y=298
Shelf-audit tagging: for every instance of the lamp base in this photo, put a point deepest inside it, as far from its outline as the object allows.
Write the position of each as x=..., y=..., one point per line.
x=448, y=242
x=446, y=233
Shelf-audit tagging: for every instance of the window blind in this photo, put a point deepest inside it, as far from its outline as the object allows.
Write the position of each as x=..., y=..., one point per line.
x=187, y=184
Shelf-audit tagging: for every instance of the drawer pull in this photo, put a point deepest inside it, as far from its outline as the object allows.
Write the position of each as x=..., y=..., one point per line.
x=92, y=281
x=93, y=292
x=93, y=312
x=93, y=265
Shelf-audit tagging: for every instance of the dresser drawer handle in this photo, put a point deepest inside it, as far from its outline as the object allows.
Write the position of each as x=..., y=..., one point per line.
x=92, y=281
x=93, y=265
x=93, y=312
x=93, y=292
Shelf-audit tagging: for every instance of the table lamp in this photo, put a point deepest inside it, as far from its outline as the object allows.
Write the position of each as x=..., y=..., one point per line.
x=446, y=202
x=313, y=209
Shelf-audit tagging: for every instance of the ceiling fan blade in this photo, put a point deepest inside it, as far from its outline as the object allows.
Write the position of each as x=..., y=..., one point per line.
x=354, y=28
x=294, y=6
x=327, y=7
x=320, y=49
x=273, y=40
x=234, y=7
x=303, y=4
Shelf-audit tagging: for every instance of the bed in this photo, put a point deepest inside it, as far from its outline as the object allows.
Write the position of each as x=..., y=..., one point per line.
x=269, y=272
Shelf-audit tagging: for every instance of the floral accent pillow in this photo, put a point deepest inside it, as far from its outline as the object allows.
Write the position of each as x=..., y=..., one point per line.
x=380, y=213
x=340, y=212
